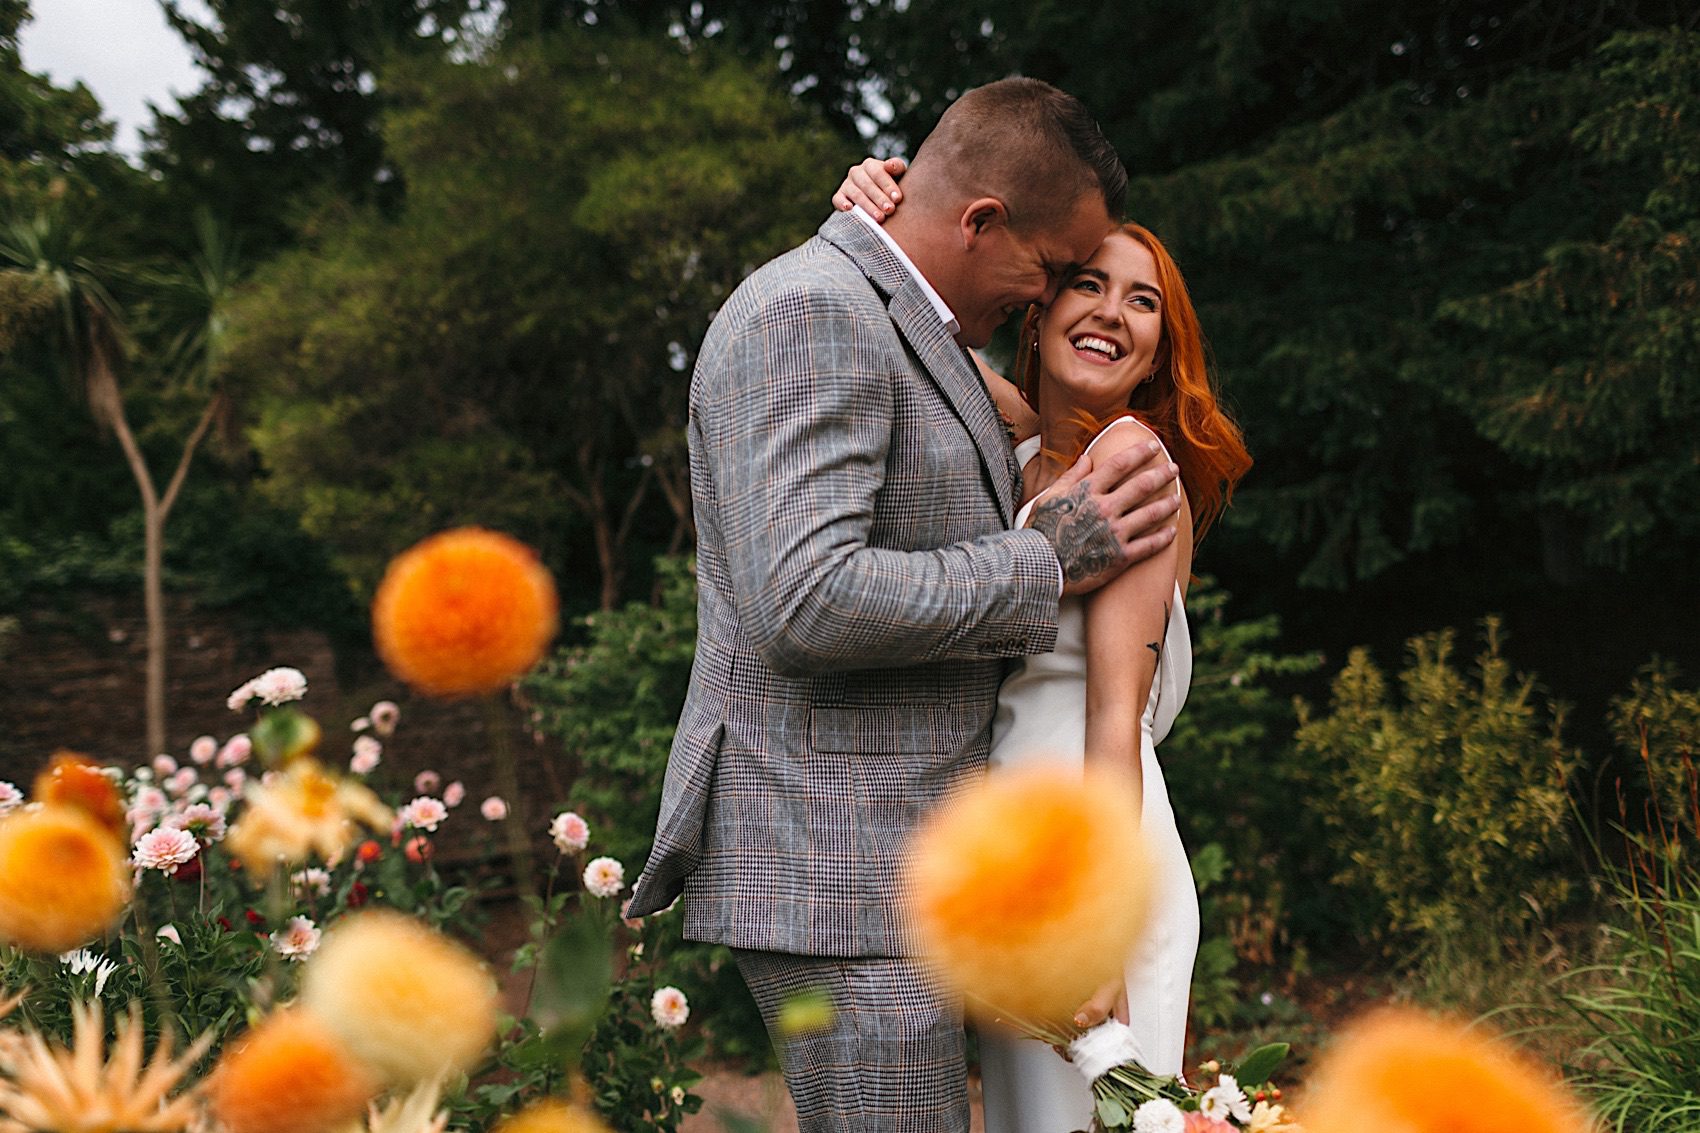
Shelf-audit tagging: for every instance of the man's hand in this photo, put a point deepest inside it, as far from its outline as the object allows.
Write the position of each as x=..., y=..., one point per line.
x=1103, y=520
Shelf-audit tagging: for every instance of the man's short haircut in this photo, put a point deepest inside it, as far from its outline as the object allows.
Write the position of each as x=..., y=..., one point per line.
x=1032, y=146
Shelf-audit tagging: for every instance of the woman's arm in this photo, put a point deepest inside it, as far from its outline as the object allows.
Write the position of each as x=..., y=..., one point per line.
x=1126, y=624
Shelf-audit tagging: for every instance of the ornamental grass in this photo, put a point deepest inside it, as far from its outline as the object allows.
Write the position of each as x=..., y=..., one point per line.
x=1399, y=1070
x=407, y=1000
x=64, y=877
x=1028, y=891
x=464, y=612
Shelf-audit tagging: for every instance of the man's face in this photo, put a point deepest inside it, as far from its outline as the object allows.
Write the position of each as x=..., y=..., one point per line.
x=1007, y=270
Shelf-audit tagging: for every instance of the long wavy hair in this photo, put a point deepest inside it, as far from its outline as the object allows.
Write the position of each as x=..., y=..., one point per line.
x=1179, y=404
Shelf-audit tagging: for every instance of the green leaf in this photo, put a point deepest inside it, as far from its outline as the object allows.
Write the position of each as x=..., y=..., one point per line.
x=574, y=978
x=1112, y=1114
x=1260, y=1065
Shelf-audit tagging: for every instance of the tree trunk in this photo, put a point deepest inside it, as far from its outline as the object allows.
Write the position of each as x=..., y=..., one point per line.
x=108, y=406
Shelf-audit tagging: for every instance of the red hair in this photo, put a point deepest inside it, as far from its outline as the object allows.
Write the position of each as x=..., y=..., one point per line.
x=1179, y=404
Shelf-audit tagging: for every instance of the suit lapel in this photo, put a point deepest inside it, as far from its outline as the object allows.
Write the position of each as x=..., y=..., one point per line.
x=944, y=362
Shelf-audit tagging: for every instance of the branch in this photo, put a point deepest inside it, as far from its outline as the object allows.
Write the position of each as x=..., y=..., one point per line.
x=194, y=441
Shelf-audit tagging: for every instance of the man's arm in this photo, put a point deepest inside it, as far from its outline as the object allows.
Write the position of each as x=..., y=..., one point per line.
x=795, y=420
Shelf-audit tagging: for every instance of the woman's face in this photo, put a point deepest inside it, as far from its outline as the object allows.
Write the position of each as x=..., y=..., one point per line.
x=1100, y=336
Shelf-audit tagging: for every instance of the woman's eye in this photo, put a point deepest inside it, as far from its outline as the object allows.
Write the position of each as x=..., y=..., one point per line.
x=1144, y=302
x=1090, y=285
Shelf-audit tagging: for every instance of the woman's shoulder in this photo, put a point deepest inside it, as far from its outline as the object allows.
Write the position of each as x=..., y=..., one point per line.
x=1122, y=433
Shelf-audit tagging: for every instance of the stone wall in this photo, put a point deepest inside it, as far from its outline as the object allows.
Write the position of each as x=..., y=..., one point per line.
x=73, y=676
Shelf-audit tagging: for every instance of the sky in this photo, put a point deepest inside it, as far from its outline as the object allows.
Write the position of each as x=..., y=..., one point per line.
x=123, y=50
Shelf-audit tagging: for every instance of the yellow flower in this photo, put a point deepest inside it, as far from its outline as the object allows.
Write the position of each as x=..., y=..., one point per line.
x=1402, y=1071
x=63, y=877
x=303, y=810
x=1267, y=1117
x=1029, y=890
x=408, y=1001
x=81, y=1091
x=466, y=611
x=290, y=1074
x=552, y=1116
x=414, y=1112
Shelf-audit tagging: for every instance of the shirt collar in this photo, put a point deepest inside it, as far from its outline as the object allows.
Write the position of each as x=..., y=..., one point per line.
x=946, y=315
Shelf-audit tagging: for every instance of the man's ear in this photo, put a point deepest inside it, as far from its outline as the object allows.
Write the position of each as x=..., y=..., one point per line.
x=980, y=216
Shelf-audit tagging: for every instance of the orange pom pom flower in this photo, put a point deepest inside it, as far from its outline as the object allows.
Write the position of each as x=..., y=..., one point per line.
x=290, y=1074
x=1399, y=1070
x=464, y=612
x=76, y=780
x=1028, y=891
x=63, y=877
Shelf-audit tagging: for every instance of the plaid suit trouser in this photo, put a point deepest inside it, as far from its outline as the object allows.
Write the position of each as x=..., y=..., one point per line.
x=893, y=1058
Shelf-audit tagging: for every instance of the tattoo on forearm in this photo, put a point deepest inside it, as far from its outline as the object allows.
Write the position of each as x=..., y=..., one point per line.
x=1085, y=545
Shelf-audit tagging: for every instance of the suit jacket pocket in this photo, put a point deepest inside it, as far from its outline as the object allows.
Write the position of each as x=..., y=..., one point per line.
x=909, y=729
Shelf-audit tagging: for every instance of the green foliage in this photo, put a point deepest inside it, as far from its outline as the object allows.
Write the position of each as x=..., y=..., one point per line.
x=1635, y=1015
x=289, y=106
x=511, y=347
x=1229, y=766
x=1448, y=804
x=614, y=701
x=1657, y=724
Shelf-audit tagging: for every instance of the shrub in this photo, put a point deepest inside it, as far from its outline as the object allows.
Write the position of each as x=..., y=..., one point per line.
x=614, y=701
x=1229, y=765
x=1450, y=805
x=1658, y=723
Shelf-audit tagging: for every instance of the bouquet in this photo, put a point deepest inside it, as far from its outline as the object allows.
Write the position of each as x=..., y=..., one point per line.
x=1128, y=1096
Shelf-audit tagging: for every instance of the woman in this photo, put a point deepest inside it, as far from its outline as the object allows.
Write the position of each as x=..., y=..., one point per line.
x=1115, y=359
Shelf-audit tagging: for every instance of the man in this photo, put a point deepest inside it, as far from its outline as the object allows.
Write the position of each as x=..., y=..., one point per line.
x=860, y=593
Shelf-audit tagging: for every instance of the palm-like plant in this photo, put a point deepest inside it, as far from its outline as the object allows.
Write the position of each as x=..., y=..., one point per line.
x=49, y=283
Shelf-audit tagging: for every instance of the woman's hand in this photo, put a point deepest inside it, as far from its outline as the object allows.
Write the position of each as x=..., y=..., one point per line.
x=1111, y=999
x=872, y=183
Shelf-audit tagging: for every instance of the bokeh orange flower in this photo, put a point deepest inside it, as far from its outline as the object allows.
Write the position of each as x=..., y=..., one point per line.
x=406, y=999
x=300, y=811
x=290, y=1074
x=1027, y=892
x=76, y=780
x=464, y=612
x=63, y=877
x=552, y=1116
x=1399, y=1070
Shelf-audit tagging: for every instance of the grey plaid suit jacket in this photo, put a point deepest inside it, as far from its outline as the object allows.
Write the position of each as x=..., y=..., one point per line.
x=859, y=594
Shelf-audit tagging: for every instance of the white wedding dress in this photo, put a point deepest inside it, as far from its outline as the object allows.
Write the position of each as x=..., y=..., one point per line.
x=1041, y=718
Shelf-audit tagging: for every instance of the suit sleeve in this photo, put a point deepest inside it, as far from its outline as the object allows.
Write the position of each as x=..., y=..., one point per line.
x=795, y=418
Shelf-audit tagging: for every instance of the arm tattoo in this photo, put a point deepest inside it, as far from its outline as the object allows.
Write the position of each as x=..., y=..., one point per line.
x=1086, y=547
x=1157, y=646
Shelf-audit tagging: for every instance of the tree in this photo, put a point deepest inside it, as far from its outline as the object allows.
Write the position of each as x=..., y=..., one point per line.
x=46, y=259
x=290, y=107
x=511, y=347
